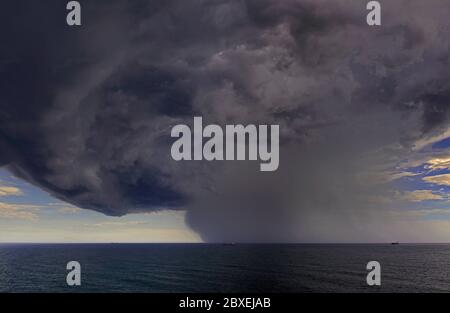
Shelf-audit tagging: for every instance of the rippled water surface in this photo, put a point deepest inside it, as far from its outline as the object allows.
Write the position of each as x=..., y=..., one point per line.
x=223, y=268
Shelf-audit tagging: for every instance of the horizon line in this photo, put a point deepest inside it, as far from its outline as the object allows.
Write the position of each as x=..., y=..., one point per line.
x=232, y=243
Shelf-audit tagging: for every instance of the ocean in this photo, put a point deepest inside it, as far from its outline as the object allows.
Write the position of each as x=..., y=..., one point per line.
x=224, y=268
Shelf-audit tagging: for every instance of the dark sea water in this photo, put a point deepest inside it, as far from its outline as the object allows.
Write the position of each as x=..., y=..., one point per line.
x=222, y=268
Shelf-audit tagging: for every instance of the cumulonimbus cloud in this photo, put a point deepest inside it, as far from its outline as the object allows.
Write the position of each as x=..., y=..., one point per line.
x=86, y=112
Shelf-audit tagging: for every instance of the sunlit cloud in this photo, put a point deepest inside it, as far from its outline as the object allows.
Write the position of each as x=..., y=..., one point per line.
x=69, y=210
x=443, y=179
x=9, y=191
x=18, y=211
x=423, y=142
x=421, y=213
x=438, y=163
x=384, y=177
x=420, y=195
x=398, y=175
x=116, y=224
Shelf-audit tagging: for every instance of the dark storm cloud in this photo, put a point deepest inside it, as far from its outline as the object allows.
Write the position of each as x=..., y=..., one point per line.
x=436, y=109
x=86, y=112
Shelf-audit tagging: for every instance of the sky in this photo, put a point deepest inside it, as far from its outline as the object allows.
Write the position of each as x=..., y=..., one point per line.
x=28, y=214
x=363, y=112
